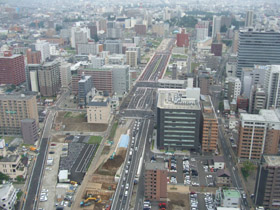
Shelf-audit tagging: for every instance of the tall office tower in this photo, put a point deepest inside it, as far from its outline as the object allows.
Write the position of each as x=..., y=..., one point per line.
x=216, y=26
x=113, y=46
x=114, y=33
x=140, y=29
x=210, y=125
x=178, y=119
x=202, y=30
x=204, y=83
x=79, y=36
x=85, y=86
x=12, y=69
x=249, y=19
x=235, y=42
x=131, y=58
x=13, y=109
x=33, y=57
x=93, y=30
x=259, y=134
x=257, y=99
x=232, y=88
x=155, y=182
x=272, y=86
x=49, y=78
x=44, y=47
x=182, y=39
x=252, y=76
x=267, y=191
x=65, y=74
x=32, y=83
x=257, y=48
x=120, y=78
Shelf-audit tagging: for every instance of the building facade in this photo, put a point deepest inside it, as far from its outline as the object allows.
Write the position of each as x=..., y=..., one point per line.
x=44, y=47
x=272, y=86
x=257, y=48
x=29, y=131
x=267, y=191
x=65, y=74
x=155, y=182
x=258, y=134
x=8, y=196
x=178, y=119
x=131, y=58
x=12, y=69
x=232, y=88
x=182, y=39
x=99, y=110
x=85, y=86
x=33, y=57
x=13, y=109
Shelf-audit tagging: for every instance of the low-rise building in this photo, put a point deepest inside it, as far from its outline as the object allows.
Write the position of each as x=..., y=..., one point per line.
x=172, y=84
x=99, y=110
x=219, y=162
x=223, y=177
x=12, y=166
x=8, y=196
x=230, y=198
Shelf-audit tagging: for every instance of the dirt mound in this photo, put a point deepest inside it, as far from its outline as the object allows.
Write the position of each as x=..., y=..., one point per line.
x=113, y=164
x=178, y=201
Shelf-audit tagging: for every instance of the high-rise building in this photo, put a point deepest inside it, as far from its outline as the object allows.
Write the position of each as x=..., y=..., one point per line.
x=178, y=119
x=79, y=36
x=97, y=62
x=252, y=76
x=158, y=29
x=257, y=99
x=267, y=191
x=140, y=29
x=49, y=78
x=90, y=48
x=131, y=58
x=85, y=86
x=12, y=69
x=113, y=46
x=272, y=86
x=29, y=131
x=204, y=83
x=202, y=30
x=217, y=49
x=93, y=30
x=249, y=18
x=155, y=182
x=13, y=109
x=32, y=82
x=120, y=78
x=210, y=125
x=65, y=74
x=33, y=57
x=216, y=28
x=114, y=33
x=44, y=47
x=257, y=48
x=259, y=134
x=102, y=23
x=235, y=42
x=138, y=50
x=232, y=88
x=182, y=39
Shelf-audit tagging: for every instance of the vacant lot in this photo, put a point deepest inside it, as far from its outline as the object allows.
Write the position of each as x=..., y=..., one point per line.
x=76, y=121
x=178, y=201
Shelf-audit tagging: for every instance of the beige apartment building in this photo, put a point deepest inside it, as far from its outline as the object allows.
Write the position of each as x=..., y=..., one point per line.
x=131, y=58
x=12, y=166
x=259, y=134
x=99, y=110
x=210, y=125
x=13, y=109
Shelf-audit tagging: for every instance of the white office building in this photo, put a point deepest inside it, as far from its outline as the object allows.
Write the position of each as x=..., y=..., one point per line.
x=44, y=47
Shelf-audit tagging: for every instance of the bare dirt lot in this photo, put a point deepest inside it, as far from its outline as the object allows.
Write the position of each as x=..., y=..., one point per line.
x=178, y=201
x=75, y=121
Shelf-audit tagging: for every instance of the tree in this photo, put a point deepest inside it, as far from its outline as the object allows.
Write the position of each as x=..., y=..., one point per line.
x=247, y=168
x=41, y=24
x=20, y=179
x=4, y=177
x=221, y=106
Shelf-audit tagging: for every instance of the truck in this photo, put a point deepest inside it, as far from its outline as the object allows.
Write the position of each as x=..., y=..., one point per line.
x=33, y=149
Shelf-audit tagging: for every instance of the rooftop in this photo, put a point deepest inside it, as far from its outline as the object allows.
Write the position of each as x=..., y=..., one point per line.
x=232, y=193
x=17, y=96
x=272, y=160
x=208, y=109
x=169, y=81
x=99, y=101
x=4, y=189
x=186, y=99
x=11, y=158
x=154, y=166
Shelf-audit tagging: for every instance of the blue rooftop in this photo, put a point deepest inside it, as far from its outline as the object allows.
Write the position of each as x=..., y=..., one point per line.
x=124, y=141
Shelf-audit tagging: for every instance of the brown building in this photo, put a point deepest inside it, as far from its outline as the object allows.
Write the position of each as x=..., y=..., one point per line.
x=49, y=78
x=210, y=125
x=102, y=79
x=33, y=57
x=155, y=182
x=242, y=102
x=267, y=188
x=223, y=178
x=29, y=130
x=13, y=109
x=259, y=134
x=204, y=83
x=217, y=49
x=140, y=29
x=12, y=69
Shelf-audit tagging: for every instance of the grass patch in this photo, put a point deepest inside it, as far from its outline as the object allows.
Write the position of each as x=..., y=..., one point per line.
x=70, y=115
x=178, y=56
x=95, y=140
x=168, y=73
x=194, y=65
x=153, y=144
x=113, y=131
